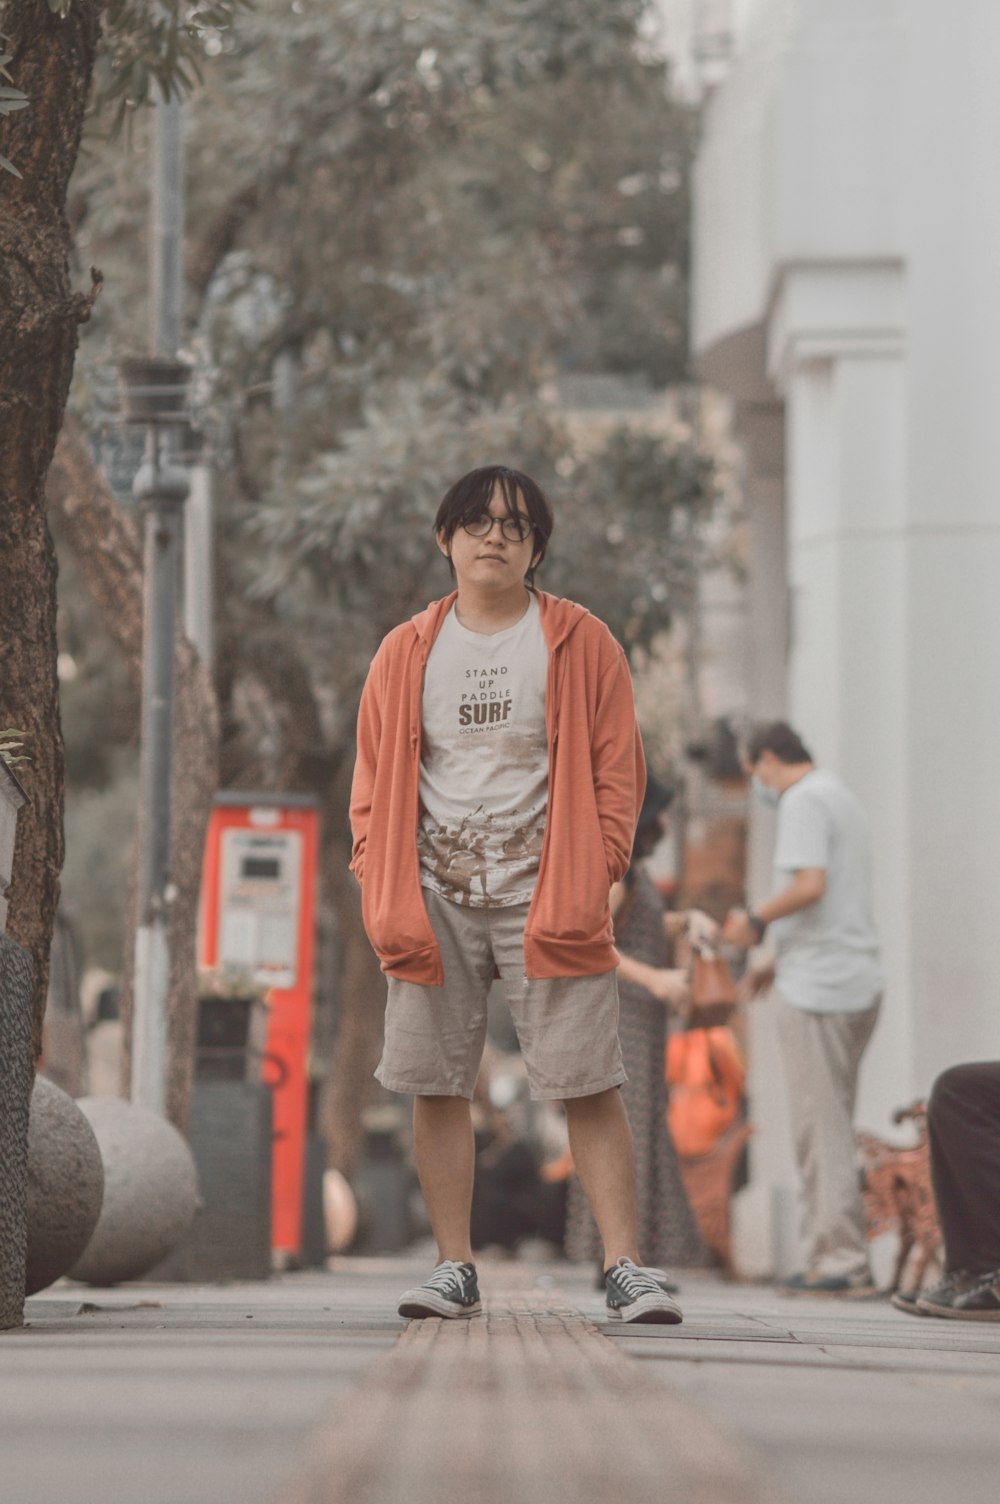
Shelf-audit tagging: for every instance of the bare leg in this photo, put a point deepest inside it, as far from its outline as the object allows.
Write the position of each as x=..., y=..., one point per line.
x=444, y=1148
x=601, y=1140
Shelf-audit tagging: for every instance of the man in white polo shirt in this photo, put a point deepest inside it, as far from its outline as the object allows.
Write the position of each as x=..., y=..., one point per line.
x=828, y=981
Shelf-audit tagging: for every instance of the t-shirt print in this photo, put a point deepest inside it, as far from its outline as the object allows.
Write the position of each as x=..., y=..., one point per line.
x=487, y=703
x=484, y=763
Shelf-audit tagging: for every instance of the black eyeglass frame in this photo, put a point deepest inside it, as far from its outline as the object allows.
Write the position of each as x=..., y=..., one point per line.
x=522, y=526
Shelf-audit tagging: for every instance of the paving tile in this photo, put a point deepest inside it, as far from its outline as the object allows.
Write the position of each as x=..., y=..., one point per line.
x=308, y=1389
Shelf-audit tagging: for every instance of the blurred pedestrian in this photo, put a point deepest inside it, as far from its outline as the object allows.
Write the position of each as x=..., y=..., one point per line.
x=828, y=981
x=650, y=986
x=963, y=1128
x=498, y=781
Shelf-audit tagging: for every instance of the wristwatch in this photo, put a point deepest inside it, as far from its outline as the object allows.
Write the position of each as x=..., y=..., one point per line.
x=756, y=923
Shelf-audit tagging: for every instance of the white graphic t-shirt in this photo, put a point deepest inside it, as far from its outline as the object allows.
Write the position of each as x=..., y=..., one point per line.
x=484, y=763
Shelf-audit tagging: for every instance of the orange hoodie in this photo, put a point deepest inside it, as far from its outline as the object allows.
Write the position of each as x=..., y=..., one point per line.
x=596, y=781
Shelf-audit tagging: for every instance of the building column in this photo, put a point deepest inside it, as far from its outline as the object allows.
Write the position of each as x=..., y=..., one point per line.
x=764, y=1213
x=952, y=121
x=849, y=659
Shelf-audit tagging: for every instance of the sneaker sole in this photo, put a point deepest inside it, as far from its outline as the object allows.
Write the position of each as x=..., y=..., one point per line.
x=416, y=1304
x=908, y=1307
x=658, y=1308
x=926, y=1309
x=853, y=1292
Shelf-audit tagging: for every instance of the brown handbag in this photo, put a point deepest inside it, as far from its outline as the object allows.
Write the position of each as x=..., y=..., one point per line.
x=713, y=991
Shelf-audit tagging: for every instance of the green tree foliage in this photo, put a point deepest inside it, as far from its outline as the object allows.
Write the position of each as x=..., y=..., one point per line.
x=432, y=211
x=50, y=51
x=146, y=47
x=407, y=223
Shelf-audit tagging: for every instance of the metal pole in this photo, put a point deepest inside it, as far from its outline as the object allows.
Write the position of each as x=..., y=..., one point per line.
x=167, y=286
x=166, y=272
x=198, y=563
x=162, y=487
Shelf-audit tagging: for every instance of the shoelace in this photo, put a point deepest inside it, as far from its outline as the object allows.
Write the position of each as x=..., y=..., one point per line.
x=983, y=1282
x=958, y=1279
x=447, y=1277
x=636, y=1281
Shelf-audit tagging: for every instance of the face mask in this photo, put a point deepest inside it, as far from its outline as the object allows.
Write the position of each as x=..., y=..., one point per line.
x=766, y=795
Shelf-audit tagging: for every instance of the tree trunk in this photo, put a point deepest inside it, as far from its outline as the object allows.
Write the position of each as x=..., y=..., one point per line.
x=53, y=59
x=106, y=546
x=362, y=1003
x=259, y=645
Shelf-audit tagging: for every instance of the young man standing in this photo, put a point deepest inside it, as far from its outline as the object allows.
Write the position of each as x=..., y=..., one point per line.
x=497, y=785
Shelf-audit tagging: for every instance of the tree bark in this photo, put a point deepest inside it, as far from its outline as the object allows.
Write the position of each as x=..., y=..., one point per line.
x=106, y=546
x=221, y=236
x=357, y=1046
x=40, y=315
x=259, y=645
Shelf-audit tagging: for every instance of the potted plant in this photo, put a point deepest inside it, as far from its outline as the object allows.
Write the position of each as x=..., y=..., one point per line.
x=232, y=1025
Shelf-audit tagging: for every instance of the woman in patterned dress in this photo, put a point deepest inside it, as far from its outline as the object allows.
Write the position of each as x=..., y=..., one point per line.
x=648, y=987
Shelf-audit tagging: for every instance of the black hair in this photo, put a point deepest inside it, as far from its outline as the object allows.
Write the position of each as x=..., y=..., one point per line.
x=779, y=738
x=657, y=798
x=470, y=497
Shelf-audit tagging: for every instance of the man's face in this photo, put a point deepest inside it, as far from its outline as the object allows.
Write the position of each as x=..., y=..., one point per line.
x=767, y=770
x=489, y=559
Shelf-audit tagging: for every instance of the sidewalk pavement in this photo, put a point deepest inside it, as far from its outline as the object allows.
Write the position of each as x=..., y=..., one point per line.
x=309, y=1390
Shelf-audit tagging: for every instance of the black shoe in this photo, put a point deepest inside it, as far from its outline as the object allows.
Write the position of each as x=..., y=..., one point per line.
x=909, y=1300
x=978, y=1301
x=660, y=1275
x=635, y=1294
x=450, y=1291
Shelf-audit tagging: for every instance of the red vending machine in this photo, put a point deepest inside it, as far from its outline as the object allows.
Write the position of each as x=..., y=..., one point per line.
x=258, y=906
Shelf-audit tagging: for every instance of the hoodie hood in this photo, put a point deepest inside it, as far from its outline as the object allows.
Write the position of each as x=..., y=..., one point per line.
x=559, y=618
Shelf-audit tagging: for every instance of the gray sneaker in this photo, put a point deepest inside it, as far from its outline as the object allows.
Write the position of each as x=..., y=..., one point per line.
x=660, y=1275
x=909, y=1300
x=450, y=1291
x=978, y=1301
x=635, y=1294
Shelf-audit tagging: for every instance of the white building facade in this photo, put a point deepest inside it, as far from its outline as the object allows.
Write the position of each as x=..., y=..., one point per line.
x=847, y=296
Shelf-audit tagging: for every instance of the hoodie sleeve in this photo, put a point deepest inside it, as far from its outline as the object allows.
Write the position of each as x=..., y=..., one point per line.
x=618, y=764
x=363, y=784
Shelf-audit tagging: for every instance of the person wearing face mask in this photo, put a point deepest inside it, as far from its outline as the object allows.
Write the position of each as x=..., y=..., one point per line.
x=827, y=978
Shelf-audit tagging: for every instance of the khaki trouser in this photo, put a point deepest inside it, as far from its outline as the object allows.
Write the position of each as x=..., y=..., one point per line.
x=822, y=1053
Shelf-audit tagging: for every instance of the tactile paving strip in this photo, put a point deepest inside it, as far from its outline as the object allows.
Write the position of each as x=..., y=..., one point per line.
x=528, y=1404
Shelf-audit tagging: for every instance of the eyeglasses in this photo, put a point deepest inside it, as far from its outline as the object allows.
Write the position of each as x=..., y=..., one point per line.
x=515, y=529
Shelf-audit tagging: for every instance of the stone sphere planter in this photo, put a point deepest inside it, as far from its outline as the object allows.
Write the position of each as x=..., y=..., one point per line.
x=150, y=1192
x=65, y=1185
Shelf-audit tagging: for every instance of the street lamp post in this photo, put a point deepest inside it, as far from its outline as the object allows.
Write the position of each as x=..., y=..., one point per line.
x=153, y=392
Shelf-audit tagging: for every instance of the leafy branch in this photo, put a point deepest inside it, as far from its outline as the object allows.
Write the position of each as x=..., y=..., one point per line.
x=11, y=99
x=149, y=51
x=9, y=748
x=158, y=49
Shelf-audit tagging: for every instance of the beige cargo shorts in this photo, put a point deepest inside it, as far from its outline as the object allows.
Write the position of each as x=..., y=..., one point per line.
x=434, y=1036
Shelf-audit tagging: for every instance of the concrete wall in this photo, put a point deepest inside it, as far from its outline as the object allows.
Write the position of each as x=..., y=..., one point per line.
x=847, y=236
